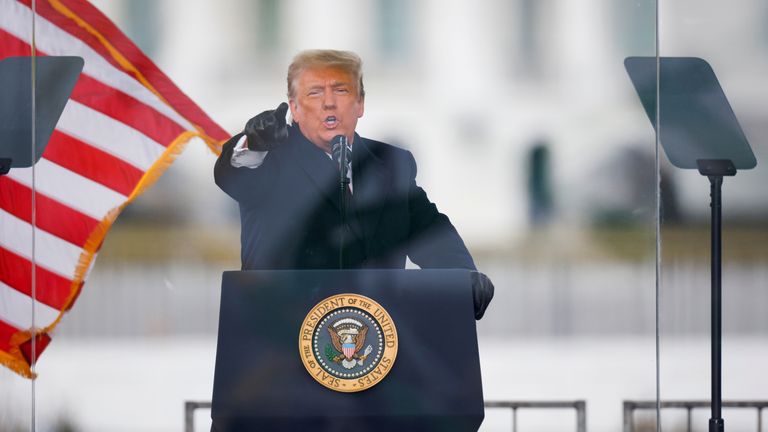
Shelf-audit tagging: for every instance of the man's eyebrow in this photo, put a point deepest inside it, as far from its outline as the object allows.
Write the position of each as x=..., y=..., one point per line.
x=335, y=84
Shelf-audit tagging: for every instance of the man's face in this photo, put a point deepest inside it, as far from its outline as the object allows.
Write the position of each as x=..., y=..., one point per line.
x=326, y=104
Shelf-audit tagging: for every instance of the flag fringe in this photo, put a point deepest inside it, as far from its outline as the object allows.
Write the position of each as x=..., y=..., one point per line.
x=14, y=359
x=213, y=144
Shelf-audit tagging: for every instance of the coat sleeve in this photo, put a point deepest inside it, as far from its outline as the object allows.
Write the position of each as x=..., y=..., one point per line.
x=244, y=184
x=433, y=240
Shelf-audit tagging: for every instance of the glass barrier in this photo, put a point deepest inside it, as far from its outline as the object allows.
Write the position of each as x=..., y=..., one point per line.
x=573, y=317
x=731, y=39
x=17, y=253
x=527, y=133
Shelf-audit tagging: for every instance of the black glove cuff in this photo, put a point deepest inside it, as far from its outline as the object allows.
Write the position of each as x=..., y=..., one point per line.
x=482, y=293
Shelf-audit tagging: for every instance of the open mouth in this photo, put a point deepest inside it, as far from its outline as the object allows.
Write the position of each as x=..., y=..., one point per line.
x=330, y=122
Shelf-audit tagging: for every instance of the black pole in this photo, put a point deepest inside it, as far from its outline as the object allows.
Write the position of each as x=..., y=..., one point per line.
x=716, y=423
x=343, y=200
x=715, y=169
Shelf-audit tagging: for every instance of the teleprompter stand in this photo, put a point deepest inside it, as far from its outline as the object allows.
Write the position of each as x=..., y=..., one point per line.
x=54, y=79
x=260, y=382
x=698, y=130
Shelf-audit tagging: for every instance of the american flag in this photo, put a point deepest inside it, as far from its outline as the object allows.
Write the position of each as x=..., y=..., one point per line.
x=121, y=128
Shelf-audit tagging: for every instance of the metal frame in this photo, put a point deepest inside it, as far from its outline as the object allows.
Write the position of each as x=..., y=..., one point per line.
x=631, y=406
x=189, y=413
x=579, y=405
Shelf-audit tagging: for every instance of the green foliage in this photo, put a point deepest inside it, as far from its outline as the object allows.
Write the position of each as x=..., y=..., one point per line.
x=331, y=353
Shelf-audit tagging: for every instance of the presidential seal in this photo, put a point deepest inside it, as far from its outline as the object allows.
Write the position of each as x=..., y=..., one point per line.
x=348, y=343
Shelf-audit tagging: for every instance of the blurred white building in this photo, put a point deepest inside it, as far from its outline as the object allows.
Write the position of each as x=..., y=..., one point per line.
x=469, y=87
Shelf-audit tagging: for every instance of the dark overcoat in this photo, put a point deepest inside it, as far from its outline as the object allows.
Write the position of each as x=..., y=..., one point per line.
x=291, y=219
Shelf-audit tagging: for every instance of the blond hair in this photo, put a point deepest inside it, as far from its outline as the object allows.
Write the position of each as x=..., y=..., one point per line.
x=346, y=61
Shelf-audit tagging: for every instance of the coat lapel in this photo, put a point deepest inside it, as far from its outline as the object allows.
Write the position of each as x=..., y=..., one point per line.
x=369, y=178
x=318, y=166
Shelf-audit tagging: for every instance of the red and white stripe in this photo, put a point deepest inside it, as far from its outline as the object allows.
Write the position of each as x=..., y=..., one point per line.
x=113, y=135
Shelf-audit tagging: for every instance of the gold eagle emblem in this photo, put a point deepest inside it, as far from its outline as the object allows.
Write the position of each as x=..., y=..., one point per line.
x=348, y=338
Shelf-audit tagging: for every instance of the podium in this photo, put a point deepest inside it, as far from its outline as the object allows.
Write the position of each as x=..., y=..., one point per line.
x=263, y=378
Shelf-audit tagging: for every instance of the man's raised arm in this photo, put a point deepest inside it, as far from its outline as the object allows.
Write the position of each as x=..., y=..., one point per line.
x=235, y=171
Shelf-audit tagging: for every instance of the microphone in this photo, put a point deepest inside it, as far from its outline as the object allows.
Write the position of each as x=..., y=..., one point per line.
x=341, y=152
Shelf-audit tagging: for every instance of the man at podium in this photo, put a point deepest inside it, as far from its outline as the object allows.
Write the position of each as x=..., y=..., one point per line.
x=296, y=214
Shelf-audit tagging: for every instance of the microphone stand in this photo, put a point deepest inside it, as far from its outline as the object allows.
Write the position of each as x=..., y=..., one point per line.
x=344, y=184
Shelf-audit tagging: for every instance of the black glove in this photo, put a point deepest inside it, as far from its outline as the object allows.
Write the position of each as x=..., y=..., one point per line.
x=267, y=130
x=482, y=293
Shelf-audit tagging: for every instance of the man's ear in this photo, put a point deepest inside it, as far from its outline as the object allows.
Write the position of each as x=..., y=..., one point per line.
x=361, y=109
x=294, y=109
